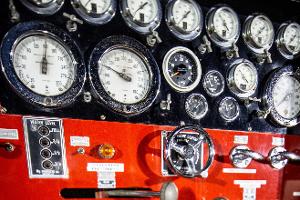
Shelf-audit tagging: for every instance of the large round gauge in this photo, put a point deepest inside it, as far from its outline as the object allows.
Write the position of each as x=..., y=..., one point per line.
x=182, y=69
x=124, y=75
x=229, y=109
x=223, y=26
x=184, y=19
x=143, y=16
x=258, y=33
x=288, y=40
x=44, y=65
x=282, y=97
x=94, y=11
x=242, y=78
x=43, y=7
x=196, y=106
x=213, y=83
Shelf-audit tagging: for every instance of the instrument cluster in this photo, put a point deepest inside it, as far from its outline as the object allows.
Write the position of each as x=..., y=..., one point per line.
x=151, y=61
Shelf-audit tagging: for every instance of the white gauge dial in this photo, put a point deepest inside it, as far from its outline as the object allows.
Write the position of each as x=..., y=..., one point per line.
x=186, y=15
x=291, y=37
x=44, y=65
x=143, y=11
x=245, y=77
x=95, y=6
x=262, y=32
x=41, y=2
x=124, y=75
x=286, y=97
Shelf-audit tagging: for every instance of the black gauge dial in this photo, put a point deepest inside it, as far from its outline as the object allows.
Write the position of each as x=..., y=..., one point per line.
x=213, y=83
x=196, y=106
x=229, y=109
x=182, y=69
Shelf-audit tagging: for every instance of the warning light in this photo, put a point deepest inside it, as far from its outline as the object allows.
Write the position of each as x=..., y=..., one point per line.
x=106, y=151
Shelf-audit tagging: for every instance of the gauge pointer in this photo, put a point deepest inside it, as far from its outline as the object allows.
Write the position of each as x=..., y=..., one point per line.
x=184, y=16
x=87, y=3
x=243, y=77
x=141, y=7
x=44, y=62
x=285, y=98
x=122, y=75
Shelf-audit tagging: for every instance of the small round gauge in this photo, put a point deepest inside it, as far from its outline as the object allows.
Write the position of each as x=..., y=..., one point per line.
x=182, y=69
x=43, y=7
x=43, y=68
x=242, y=78
x=184, y=19
x=258, y=33
x=229, y=109
x=213, y=83
x=196, y=106
x=282, y=97
x=143, y=16
x=288, y=40
x=94, y=11
x=124, y=75
x=223, y=26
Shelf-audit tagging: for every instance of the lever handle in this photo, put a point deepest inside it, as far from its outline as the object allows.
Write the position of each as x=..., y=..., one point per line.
x=279, y=157
x=241, y=156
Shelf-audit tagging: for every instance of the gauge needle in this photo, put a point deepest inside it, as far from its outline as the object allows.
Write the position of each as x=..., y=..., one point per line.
x=292, y=39
x=286, y=97
x=243, y=77
x=122, y=75
x=44, y=62
x=260, y=31
x=141, y=7
x=175, y=74
x=184, y=16
x=87, y=3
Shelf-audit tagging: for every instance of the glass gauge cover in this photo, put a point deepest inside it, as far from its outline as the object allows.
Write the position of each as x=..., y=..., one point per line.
x=229, y=109
x=43, y=68
x=223, y=26
x=182, y=69
x=288, y=40
x=213, y=83
x=282, y=97
x=94, y=11
x=143, y=16
x=43, y=7
x=196, y=106
x=242, y=78
x=124, y=75
x=184, y=19
x=258, y=33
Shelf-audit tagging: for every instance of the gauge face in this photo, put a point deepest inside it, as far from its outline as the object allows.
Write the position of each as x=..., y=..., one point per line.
x=213, y=83
x=44, y=65
x=143, y=11
x=286, y=97
x=95, y=6
x=229, y=109
x=182, y=69
x=292, y=38
x=124, y=76
x=42, y=2
x=245, y=77
x=43, y=7
x=196, y=106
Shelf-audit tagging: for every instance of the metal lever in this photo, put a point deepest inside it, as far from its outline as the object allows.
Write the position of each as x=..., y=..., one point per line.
x=279, y=157
x=241, y=156
x=168, y=191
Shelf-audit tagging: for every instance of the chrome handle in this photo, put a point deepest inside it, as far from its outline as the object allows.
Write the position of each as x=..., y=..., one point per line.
x=290, y=155
x=279, y=157
x=251, y=154
x=241, y=156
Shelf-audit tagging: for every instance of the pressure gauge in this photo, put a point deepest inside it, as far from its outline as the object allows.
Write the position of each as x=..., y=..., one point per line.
x=43, y=68
x=94, y=11
x=282, y=97
x=242, y=78
x=182, y=69
x=288, y=40
x=124, y=75
x=184, y=19
x=229, y=109
x=43, y=7
x=196, y=106
x=213, y=83
x=223, y=26
x=143, y=16
x=258, y=33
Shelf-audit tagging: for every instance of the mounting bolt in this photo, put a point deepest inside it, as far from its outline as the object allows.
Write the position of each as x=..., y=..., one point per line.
x=102, y=117
x=80, y=150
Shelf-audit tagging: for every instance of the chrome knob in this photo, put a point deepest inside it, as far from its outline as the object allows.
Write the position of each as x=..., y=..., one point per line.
x=241, y=156
x=279, y=157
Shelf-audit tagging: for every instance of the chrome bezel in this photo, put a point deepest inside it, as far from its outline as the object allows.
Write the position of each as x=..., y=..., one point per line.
x=206, y=87
x=176, y=31
x=236, y=105
x=187, y=106
x=50, y=9
x=213, y=35
x=248, y=36
x=98, y=91
x=167, y=76
x=231, y=80
x=281, y=44
x=27, y=29
x=95, y=19
x=142, y=28
x=268, y=97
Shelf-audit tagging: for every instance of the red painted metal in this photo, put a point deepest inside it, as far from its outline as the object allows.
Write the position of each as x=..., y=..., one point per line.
x=138, y=146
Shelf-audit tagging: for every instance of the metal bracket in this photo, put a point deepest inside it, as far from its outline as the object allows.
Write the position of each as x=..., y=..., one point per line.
x=166, y=104
x=205, y=47
x=14, y=14
x=71, y=24
x=232, y=52
x=153, y=38
x=263, y=113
